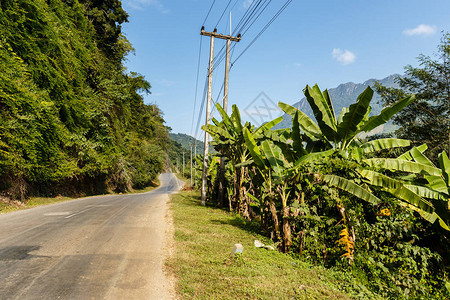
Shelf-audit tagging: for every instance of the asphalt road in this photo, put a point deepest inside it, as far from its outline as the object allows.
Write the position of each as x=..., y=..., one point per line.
x=105, y=247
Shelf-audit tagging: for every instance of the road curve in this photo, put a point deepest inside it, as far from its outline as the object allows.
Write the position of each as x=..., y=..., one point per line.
x=103, y=247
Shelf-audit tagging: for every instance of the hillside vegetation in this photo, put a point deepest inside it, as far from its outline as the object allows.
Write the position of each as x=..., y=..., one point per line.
x=72, y=119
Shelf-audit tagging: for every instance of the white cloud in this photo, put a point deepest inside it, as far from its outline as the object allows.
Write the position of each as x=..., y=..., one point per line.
x=298, y=65
x=422, y=29
x=141, y=4
x=247, y=3
x=345, y=57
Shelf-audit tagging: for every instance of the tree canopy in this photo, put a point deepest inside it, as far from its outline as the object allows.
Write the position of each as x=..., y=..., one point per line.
x=426, y=120
x=70, y=112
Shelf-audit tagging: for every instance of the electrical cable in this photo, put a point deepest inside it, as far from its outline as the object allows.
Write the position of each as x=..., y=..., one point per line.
x=254, y=10
x=220, y=19
x=245, y=16
x=207, y=15
x=246, y=22
x=202, y=106
x=263, y=30
x=262, y=10
x=221, y=52
x=196, y=84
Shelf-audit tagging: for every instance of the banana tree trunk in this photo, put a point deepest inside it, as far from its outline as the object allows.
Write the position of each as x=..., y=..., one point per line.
x=273, y=210
x=234, y=204
x=350, y=243
x=287, y=240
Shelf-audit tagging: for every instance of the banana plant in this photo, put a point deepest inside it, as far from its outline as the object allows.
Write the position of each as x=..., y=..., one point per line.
x=229, y=140
x=431, y=200
x=437, y=187
x=342, y=132
x=273, y=168
x=330, y=135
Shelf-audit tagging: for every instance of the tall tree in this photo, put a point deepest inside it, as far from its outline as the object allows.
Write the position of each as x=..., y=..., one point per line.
x=106, y=17
x=426, y=120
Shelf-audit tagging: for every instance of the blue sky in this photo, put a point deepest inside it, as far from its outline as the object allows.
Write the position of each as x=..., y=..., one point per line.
x=326, y=42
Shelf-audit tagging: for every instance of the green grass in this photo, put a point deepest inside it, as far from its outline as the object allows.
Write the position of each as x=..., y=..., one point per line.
x=155, y=184
x=7, y=206
x=205, y=269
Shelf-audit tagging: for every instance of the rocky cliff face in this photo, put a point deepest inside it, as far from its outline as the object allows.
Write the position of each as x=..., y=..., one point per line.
x=343, y=96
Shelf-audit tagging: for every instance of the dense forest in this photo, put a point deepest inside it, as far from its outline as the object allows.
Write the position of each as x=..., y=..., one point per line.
x=72, y=117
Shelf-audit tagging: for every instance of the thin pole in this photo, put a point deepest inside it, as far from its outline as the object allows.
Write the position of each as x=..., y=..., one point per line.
x=195, y=162
x=191, y=167
x=208, y=113
x=225, y=107
x=183, y=164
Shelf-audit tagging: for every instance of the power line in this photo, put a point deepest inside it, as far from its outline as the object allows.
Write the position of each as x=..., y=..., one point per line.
x=207, y=15
x=246, y=15
x=220, y=19
x=196, y=84
x=250, y=17
x=221, y=53
x=252, y=13
x=263, y=30
x=257, y=17
x=202, y=106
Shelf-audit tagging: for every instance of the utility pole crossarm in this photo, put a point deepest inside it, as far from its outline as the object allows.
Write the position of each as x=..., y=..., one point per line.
x=229, y=39
x=221, y=36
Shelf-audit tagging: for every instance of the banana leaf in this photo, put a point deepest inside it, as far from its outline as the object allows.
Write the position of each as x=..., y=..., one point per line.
x=437, y=184
x=253, y=149
x=217, y=132
x=378, y=179
x=420, y=158
x=274, y=156
x=386, y=114
x=445, y=166
x=308, y=126
x=351, y=187
x=268, y=125
x=225, y=118
x=350, y=121
x=409, y=196
x=236, y=119
x=315, y=156
x=381, y=144
x=324, y=114
x=296, y=138
x=341, y=114
x=424, y=192
x=407, y=155
x=402, y=165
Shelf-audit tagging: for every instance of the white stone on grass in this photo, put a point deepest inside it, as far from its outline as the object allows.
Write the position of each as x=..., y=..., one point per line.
x=237, y=249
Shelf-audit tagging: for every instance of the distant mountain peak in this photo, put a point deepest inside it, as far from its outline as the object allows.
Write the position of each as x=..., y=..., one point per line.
x=344, y=95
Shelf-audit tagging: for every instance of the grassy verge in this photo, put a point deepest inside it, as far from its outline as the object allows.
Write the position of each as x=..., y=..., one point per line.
x=155, y=184
x=7, y=205
x=205, y=269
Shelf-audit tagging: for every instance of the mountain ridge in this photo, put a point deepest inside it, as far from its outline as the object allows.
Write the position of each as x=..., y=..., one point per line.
x=344, y=95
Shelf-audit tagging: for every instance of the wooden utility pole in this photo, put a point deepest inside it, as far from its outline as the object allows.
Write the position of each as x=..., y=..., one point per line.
x=183, y=165
x=229, y=38
x=225, y=108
